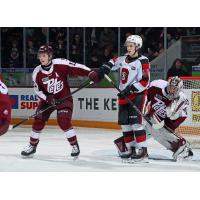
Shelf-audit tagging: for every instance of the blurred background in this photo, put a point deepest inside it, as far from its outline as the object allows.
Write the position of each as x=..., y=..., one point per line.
x=171, y=51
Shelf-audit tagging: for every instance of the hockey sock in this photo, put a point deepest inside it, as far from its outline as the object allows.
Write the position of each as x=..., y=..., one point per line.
x=71, y=137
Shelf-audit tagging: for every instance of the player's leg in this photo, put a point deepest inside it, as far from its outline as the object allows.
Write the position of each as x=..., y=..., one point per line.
x=181, y=149
x=64, y=116
x=125, y=143
x=177, y=144
x=37, y=127
x=136, y=120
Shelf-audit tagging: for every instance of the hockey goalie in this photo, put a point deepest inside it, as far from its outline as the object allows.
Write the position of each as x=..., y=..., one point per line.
x=166, y=109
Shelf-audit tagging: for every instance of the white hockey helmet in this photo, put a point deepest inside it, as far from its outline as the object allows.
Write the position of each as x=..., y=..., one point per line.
x=175, y=85
x=134, y=39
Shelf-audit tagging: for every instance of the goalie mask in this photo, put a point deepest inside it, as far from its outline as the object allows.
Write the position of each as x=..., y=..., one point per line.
x=175, y=85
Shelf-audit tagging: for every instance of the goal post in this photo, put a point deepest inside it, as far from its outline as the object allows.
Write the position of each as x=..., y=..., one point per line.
x=190, y=128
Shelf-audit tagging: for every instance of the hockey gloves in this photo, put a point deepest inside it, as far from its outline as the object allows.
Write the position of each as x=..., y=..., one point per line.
x=94, y=76
x=105, y=69
x=127, y=91
x=51, y=100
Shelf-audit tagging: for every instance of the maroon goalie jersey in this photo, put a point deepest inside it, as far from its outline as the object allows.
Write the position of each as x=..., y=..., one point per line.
x=55, y=81
x=158, y=101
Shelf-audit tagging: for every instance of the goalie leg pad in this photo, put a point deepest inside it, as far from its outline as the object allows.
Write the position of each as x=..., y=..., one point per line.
x=169, y=140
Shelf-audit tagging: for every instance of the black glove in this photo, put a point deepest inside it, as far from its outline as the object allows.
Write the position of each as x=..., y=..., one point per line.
x=127, y=91
x=105, y=69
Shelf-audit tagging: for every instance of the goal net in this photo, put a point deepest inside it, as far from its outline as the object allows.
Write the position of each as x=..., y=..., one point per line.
x=191, y=126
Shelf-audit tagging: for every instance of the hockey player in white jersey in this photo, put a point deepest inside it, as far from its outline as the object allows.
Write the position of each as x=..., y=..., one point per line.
x=167, y=102
x=134, y=71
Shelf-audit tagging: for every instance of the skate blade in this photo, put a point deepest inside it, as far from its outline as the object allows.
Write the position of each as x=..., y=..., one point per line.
x=135, y=161
x=73, y=158
x=181, y=159
x=27, y=157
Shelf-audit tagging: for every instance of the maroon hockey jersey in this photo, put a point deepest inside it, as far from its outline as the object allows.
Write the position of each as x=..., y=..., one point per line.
x=55, y=81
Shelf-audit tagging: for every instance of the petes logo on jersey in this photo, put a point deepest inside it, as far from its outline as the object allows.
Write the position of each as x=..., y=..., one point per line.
x=159, y=107
x=54, y=86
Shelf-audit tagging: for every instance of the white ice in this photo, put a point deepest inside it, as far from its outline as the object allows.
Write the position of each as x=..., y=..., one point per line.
x=98, y=153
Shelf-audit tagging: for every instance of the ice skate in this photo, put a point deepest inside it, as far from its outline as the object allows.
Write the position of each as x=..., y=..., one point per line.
x=28, y=151
x=140, y=156
x=127, y=154
x=75, y=151
x=183, y=153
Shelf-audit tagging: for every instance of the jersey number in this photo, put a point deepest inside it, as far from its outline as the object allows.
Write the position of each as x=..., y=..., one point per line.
x=124, y=75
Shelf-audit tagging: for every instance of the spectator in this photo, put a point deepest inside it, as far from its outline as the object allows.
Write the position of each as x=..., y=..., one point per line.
x=76, y=52
x=177, y=69
x=151, y=53
x=14, y=56
x=94, y=61
x=31, y=54
x=170, y=40
x=107, y=37
x=107, y=54
x=60, y=49
x=160, y=48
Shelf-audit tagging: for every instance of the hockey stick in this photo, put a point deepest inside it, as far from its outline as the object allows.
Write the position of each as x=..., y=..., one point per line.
x=158, y=126
x=83, y=85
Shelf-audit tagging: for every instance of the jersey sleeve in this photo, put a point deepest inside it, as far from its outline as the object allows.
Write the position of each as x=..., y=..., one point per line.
x=3, y=88
x=113, y=63
x=72, y=68
x=37, y=88
x=178, y=108
x=144, y=76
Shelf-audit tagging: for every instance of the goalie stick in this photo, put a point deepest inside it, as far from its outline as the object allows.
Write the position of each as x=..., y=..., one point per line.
x=83, y=85
x=155, y=126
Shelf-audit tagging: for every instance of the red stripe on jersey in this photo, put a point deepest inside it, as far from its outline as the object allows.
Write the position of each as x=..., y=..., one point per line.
x=114, y=59
x=131, y=97
x=125, y=101
x=145, y=66
x=144, y=83
x=141, y=138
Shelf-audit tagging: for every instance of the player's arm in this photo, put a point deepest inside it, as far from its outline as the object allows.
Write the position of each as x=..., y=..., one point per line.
x=108, y=66
x=77, y=69
x=39, y=92
x=177, y=111
x=3, y=88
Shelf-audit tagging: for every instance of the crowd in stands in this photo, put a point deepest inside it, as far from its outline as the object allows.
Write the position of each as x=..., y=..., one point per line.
x=100, y=43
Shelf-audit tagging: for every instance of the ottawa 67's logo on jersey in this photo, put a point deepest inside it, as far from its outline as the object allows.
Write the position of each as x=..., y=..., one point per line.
x=53, y=85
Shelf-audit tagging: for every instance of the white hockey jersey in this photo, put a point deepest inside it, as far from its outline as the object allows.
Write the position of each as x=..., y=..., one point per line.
x=135, y=72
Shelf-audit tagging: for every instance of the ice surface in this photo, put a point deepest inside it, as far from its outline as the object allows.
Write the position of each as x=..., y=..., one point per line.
x=98, y=153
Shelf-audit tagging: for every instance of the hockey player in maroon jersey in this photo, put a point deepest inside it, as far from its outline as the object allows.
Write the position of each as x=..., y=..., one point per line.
x=134, y=79
x=51, y=85
x=5, y=109
x=167, y=102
